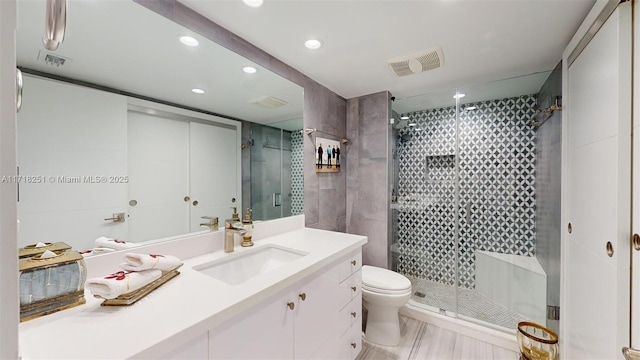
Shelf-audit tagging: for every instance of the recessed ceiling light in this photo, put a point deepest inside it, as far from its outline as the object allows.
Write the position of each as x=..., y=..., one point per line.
x=418, y=129
x=404, y=118
x=413, y=124
x=313, y=44
x=459, y=96
x=249, y=69
x=469, y=108
x=253, y=3
x=198, y=91
x=189, y=41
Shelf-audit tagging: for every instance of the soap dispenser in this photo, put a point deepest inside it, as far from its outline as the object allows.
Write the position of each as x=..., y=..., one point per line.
x=247, y=223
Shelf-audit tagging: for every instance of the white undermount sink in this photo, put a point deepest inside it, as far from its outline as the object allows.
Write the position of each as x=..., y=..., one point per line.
x=235, y=269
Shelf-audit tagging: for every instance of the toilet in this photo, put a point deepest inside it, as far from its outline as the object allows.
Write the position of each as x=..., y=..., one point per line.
x=384, y=292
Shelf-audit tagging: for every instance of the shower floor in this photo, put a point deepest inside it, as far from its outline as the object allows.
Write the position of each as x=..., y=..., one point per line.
x=470, y=303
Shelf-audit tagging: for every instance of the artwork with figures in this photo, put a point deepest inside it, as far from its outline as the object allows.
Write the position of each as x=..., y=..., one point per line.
x=327, y=155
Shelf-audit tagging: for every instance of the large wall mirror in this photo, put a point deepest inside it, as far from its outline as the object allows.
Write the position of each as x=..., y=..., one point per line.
x=115, y=140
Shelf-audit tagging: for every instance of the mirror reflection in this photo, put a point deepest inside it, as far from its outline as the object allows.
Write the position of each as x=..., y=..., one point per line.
x=128, y=133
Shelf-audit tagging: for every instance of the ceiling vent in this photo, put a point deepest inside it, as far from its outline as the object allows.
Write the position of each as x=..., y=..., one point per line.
x=270, y=102
x=53, y=60
x=425, y=60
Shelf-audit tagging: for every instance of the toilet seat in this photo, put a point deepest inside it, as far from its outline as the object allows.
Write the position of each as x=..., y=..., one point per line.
x=383, y=281
x=385, y=291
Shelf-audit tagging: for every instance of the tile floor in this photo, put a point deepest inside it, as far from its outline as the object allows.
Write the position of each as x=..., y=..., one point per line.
x=422, y=341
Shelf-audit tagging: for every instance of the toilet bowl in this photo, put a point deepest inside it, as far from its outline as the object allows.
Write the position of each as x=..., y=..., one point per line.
x=384, y=292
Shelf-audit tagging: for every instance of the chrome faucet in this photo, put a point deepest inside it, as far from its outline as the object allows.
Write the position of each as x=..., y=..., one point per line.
x=231, y=227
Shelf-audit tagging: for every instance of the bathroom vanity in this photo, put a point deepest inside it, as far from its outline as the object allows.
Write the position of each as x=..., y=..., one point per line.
x=295, y=294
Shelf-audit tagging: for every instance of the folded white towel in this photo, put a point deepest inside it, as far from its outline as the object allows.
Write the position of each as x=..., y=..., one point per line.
x=113, y=243
x=95, y=251
x=121, y=282
x=139, y=262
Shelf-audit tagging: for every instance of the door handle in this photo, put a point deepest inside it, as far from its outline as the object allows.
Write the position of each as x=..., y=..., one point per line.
x=19, y=85
x=635, y=241
x=630, y=353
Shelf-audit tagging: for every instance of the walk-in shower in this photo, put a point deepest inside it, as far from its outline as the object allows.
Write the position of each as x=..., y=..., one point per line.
x=464, y=202
x=274, y=157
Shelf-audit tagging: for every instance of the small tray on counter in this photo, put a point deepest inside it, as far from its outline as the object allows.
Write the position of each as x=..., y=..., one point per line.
x=131, y=297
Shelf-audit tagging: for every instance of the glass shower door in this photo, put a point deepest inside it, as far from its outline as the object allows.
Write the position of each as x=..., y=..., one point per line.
x=501, y=281
x=424, y=216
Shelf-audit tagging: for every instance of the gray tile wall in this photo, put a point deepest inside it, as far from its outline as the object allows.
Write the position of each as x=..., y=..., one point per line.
x=548, y=171
x=367, y=163
x=323, y=109
x=324, y=193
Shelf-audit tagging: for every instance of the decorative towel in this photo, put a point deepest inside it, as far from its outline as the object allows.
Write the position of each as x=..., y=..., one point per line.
x=121, y=282
x=113, y=243
x=139, y=262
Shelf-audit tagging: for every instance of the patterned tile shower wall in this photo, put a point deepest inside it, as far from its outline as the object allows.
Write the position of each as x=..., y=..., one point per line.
x=297, y=173
x=497, y=188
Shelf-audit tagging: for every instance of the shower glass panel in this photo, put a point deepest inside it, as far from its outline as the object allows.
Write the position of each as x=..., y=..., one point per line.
x=276, y=172
x=464, y=201
x=423, y=206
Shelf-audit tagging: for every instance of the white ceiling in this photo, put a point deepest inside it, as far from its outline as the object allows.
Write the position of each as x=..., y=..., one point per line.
x=123, y=45
x=482, y=40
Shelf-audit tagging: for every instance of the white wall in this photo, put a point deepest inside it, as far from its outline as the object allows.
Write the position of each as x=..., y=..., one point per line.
x=71, y=131
x=9, y=309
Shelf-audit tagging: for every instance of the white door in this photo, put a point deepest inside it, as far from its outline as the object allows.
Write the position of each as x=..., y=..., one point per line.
x=214, y=172
x=635, y=286
x=158, y=177
x=596, y=194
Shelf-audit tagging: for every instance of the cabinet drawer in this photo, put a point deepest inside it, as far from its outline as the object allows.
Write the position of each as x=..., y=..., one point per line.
x=351, y=342
x=350, y=265
x=350, y=314
x=350, y=288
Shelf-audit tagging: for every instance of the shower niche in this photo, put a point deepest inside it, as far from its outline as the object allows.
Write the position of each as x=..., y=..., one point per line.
x=440, y=167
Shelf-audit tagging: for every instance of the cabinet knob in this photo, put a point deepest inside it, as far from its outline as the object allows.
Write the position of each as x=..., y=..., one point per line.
x=354, y=288
x=291, y=305
x=353, y=262
x=353, y=314
x=303, y=296
x=353, y=345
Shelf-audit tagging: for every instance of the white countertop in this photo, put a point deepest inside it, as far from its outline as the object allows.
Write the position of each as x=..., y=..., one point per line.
x=180, y=310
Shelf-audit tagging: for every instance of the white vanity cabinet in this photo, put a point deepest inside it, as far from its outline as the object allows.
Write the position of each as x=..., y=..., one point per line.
x=263, y=332
x=317, y=318
x=197, y=349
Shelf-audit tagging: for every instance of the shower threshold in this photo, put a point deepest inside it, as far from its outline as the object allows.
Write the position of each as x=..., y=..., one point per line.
x=437, y=297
